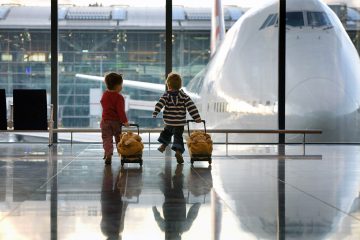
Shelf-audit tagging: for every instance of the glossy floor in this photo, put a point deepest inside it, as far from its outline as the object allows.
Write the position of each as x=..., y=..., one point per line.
x=251, y=192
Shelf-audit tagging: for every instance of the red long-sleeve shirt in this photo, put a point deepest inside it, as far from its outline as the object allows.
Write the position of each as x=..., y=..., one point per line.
x=113, y=105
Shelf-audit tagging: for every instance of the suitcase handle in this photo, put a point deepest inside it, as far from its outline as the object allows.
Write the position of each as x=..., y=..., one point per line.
x=188, y=125
x=132, y=125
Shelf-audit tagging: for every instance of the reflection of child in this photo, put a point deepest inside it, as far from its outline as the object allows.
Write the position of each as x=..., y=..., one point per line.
x=175, y=103
x=175, y=221
x=112, y=207
x=113, y=114
x=129, y=182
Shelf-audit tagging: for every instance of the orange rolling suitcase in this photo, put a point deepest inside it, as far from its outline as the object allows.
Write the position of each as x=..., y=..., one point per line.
x=130, y=147
x=199, y=144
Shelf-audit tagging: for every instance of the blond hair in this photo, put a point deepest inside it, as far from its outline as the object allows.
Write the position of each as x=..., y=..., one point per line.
x=174, y=81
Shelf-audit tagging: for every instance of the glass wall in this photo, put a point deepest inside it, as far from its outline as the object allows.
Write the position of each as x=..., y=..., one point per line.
x=235, y=88
x=191, y=53
x=323, y=70
x=96, y=39
x=24, y=50
x=25, y=59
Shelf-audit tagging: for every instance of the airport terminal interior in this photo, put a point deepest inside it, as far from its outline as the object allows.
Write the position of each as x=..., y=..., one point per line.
x=276, y=155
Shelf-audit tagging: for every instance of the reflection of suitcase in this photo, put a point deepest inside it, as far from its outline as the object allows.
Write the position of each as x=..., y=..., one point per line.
x=137, y=158
x=130, y=183
x=194, y=156
x=200, y=182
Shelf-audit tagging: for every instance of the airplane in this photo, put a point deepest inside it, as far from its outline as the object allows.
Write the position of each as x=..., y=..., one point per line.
x=238, y=88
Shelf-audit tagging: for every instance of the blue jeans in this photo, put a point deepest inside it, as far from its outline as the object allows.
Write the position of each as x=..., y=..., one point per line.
x=177, y=132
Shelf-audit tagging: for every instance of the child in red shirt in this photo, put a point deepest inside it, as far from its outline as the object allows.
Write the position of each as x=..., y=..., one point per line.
x=113, y=115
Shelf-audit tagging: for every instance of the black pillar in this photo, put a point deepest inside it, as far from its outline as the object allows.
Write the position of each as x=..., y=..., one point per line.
x=54, y=62
x=168, y=38
x=53, y=194
x=281, y=206
x=282, y=68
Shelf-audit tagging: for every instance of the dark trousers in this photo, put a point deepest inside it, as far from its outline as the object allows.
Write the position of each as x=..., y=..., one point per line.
x=177, y=132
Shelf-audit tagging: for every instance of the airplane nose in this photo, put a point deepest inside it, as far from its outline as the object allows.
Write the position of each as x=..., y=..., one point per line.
x=320, y=95
x=325, y=104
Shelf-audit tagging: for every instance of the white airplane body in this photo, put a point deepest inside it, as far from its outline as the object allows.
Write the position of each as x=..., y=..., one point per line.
x=322, y=74
x=322, y=92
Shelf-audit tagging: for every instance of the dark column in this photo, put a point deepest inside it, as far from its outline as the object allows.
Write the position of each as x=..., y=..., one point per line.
x=281, y=207
x=168, y=38
x=54, y=62
x=282, y=68
x=53, y=194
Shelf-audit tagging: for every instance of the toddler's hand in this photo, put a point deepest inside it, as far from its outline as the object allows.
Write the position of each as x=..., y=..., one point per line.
x=198, y=121
x=126, y=124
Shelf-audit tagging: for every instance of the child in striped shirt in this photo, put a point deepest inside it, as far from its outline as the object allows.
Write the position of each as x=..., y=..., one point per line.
x=175, y=103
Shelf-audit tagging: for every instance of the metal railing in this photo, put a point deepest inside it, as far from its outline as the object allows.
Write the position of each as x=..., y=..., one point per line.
x=51, y=130
x=149, y=131
x=216, y=131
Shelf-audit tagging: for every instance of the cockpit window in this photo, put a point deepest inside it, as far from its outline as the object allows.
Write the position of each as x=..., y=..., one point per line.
x=318, y=19
x=270, y=20
x=298, y=19
x=295, y=19
x=273, y=20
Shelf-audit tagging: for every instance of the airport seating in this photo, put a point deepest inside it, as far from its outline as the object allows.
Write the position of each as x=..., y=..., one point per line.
x=3, y=118
x=30, y=109
x=28, y=113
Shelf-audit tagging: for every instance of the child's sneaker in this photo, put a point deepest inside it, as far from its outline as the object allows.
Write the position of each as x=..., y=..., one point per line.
x=108, y=160
x=162, y=148
x=179, y=157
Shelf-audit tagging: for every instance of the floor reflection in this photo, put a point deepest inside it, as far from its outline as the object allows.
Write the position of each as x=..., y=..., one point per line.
x=130, y=183
x=116, y=195
x=176, y=220
x=200, y=182
x=74, y=196
x=29, y=175
x=112, y=207
x=2, y=181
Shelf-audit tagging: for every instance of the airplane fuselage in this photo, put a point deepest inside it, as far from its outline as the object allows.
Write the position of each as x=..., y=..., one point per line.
x=240, y=85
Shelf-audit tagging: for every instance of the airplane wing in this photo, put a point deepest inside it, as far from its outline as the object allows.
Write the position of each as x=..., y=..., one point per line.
x=152, y=87
x=142, y=105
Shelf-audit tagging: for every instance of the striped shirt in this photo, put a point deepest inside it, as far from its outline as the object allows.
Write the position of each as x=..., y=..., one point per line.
x=175, y=104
